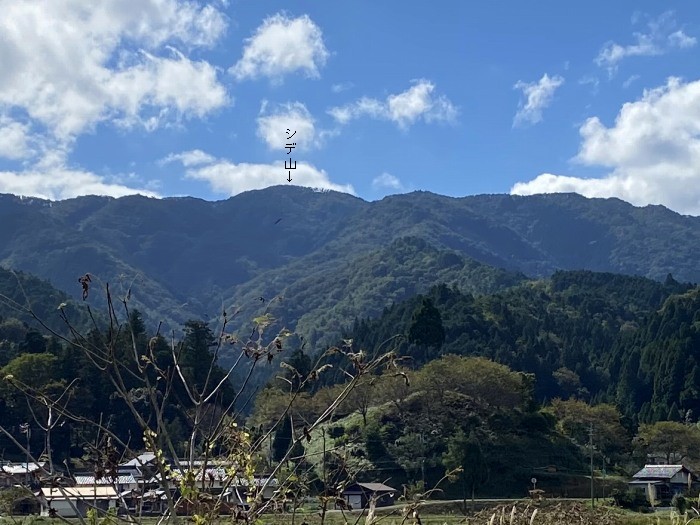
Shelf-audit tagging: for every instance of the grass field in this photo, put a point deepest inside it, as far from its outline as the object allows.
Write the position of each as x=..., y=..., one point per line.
x=551, y=512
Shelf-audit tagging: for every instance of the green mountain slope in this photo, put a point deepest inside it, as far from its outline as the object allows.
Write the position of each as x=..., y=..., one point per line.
x=324, y=301
x=601, y=337
x=185, y=258
x=21, y=292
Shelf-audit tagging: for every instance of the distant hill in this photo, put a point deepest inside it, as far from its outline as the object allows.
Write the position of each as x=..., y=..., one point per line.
x=21, y=294
x=331, y=255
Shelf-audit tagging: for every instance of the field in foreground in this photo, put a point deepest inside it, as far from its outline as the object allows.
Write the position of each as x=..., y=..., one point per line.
x=519, y=513
x=551, y=512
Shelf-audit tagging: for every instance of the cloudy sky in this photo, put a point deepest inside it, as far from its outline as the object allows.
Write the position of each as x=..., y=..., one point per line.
x=176, y=97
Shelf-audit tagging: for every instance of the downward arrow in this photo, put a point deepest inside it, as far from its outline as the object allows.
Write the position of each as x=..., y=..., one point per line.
x=289, y=178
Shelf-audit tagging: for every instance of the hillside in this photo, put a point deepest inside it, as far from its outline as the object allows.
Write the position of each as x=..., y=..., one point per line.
x=587, y=338
x=325, y=252
x=22, y=293
x=508, y=385
x=601, y=337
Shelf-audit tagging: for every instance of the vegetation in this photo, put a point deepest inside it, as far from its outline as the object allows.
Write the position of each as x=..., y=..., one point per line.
x=524, y=371
x=123, y=391
x=333, y=242
x=414, y=361
x=575, y=332
x=510, y=384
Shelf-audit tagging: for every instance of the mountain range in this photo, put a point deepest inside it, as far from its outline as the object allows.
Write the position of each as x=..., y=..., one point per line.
x=330, y=256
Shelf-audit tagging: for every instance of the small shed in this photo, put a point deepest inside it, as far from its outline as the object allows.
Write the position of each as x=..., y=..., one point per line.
x=358, y=495
x=71, y=502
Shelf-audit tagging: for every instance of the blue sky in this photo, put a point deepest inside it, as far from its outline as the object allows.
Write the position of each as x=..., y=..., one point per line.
x=174, y=97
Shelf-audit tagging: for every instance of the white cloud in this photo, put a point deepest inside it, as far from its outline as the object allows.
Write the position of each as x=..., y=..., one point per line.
x=658, y=40
x=229, y=178
x=681, y=40
x=592, y=81
x=404, y=109
x=195, y=157
x=14, y=139
x=70, y=64
x=365, y=106
x=630, y=80
x=282, y=45
x=274, y=122
x=52, y=179
x=343, y=86
x=387, y=181
x=538, y=96
x=652, y=152
x=172, y=86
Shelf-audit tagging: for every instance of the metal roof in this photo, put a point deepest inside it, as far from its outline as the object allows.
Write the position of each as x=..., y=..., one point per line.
x=124, y=479
x=21, y=468
x=140, y=460
x=219, y=474
x=373, y=487
x=659, y=471
x=211, y=474
x=79, y=492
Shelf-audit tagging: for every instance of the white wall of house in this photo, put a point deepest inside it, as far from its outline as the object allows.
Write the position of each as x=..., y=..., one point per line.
x=64, y=508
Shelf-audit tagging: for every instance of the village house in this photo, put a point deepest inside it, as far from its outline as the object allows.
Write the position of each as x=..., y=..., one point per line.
x=126, y=486
x=358, y=495
x=20, y=473
x=142, y=466
x=141, y=487
x=662, y=482
x=73, y=502
x=121, y=483
x=216, y=481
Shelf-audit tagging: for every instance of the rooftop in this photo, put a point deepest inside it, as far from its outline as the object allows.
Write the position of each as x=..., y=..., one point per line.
x=87, y=479
x=660, y=471
x=21, y=468
x=79, y=492
x=374, y=487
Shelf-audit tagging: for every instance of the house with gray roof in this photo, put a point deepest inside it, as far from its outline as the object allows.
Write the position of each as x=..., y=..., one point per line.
x=663, y=481
x=140, y=467
x=18, y=473
x=358, y=495
x=121, y=483
x=72, y=502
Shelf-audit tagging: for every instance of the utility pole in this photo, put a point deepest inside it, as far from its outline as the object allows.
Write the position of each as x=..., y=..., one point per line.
x=26, y=429
x=325, y=477
x=590, y=444
x=422, y=459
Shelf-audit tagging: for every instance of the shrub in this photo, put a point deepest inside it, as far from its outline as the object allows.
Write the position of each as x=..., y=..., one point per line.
x=631, y=499
x=336, y=431
x=680, y=503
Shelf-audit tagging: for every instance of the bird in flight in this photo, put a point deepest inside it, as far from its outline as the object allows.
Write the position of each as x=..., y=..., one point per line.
x=278, y=220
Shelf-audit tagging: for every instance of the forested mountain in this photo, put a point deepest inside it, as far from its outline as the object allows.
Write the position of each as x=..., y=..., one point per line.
x=508, y=385
x=600, y=337
x=506, y=380
x=22, y=293
x=185, y=258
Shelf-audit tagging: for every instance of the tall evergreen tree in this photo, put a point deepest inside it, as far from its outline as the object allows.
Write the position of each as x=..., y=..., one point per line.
x=426, y=326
